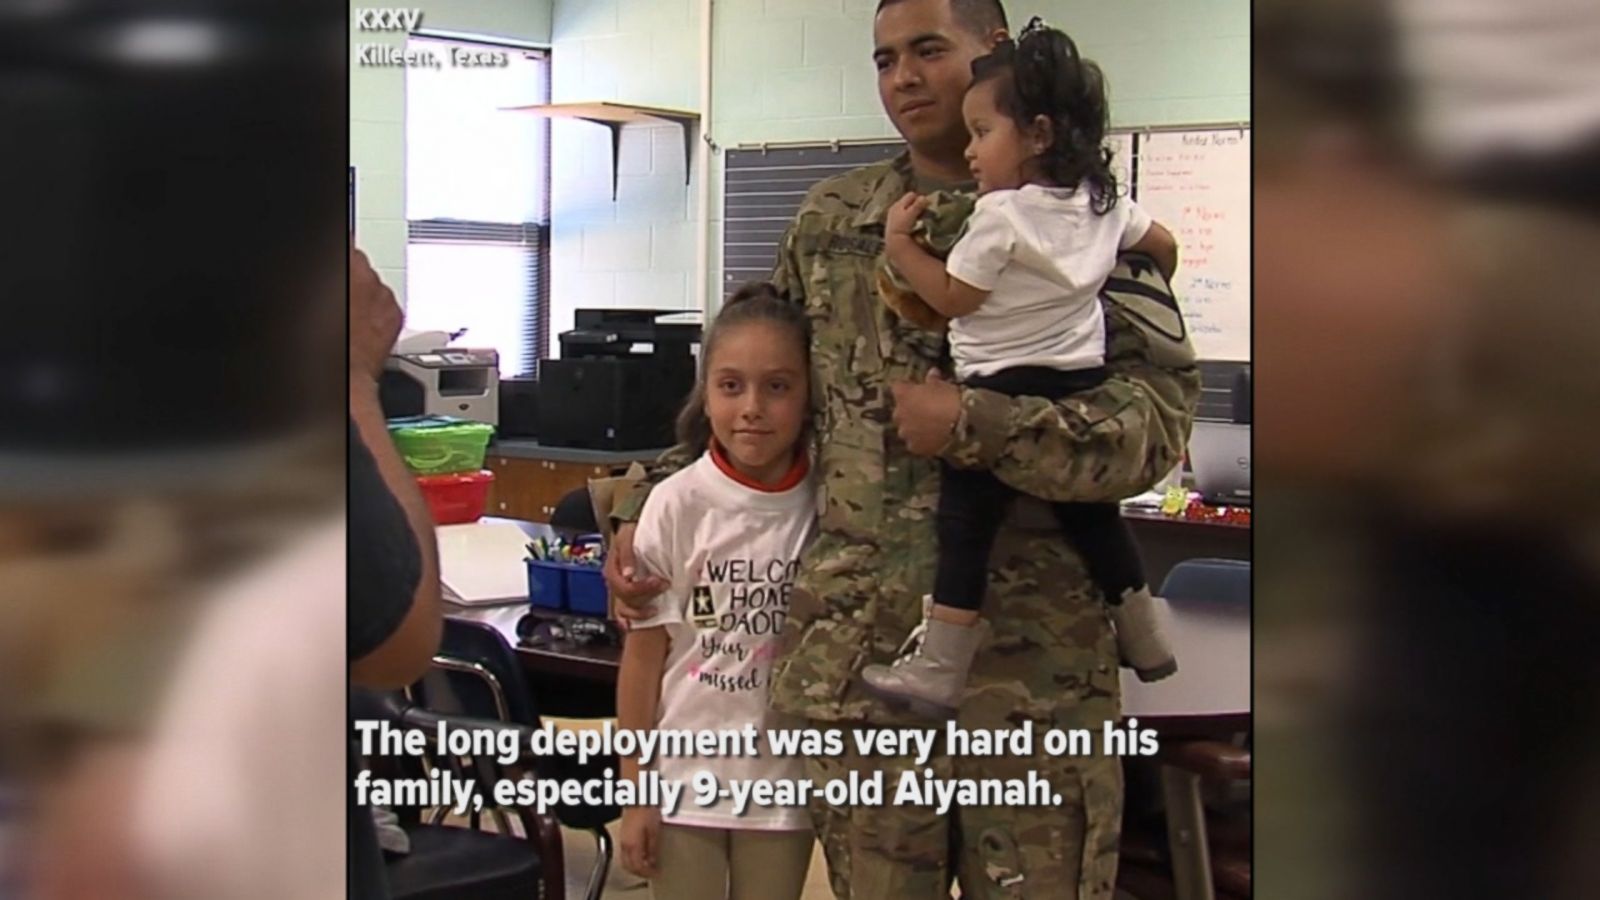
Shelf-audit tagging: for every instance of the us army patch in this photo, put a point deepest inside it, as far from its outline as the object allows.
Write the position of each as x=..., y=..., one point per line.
x=701, y=609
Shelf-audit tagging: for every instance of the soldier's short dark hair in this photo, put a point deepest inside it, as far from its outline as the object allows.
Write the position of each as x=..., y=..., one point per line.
x=979, y=17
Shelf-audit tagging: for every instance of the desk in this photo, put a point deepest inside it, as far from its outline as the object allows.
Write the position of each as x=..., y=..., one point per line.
x=1164, y=541
x=584, y=678
x=1210, y=694
x=530, y=478
x=591, y=664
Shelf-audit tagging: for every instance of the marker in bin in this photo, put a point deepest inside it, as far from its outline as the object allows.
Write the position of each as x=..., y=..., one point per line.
x=582, y=553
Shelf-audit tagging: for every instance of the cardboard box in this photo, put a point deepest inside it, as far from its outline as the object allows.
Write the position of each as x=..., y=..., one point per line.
x=604, y=494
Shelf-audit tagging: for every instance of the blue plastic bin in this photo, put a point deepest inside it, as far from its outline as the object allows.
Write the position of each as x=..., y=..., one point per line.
x=568, y=586
x=586, y=591
x=547, y=585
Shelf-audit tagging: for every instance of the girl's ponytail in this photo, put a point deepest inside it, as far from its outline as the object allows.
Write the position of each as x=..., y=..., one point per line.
x=1043, y=74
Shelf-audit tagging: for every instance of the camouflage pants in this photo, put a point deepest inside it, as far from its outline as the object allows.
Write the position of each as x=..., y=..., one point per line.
x=887, y=852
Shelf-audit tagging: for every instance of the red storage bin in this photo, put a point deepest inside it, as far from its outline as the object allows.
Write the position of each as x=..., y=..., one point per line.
x=456, y=499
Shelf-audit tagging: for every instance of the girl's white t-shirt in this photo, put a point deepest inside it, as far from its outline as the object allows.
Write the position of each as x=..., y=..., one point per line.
x=731, y=553
x=1043, y=254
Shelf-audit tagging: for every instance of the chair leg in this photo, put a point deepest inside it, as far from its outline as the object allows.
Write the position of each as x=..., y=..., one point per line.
x=1186, y=834
x=545, y=832
x=602, y=863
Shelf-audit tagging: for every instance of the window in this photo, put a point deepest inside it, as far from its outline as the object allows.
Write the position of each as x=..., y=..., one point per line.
x=478, y=201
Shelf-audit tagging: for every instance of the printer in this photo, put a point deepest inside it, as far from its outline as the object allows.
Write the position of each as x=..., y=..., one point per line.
x=423, y=376
x=621, y=379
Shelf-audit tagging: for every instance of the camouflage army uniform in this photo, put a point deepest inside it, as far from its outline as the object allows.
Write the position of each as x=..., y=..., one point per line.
x=1051, y=661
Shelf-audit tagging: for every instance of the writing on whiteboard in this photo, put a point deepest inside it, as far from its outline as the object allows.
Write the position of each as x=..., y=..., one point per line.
x=1197, y=184
x=1213, y=139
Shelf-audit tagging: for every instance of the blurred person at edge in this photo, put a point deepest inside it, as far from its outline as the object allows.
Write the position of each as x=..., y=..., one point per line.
x=170, y=373
x=234, y=793
x=290, y=843
x=122, y=570
x=1425, y=234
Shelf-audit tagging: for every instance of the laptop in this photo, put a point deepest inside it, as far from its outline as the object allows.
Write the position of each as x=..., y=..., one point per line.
x=1219, y=454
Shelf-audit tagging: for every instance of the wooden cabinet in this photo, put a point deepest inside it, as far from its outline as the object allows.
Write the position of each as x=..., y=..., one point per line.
x=529, y=489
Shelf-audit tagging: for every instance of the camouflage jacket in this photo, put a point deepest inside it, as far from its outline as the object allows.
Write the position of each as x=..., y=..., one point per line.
x=1052, y=656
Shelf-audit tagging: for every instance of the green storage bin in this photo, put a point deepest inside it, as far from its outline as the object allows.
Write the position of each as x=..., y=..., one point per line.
x=441, y=445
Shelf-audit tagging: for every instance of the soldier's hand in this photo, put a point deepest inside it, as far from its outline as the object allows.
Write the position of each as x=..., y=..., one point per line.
x=626, y=582
x=905, y=212
x=926, y=413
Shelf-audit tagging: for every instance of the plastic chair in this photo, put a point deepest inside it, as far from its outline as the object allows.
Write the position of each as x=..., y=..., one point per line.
x=476, y=673
x=1209, y=581
x=574, y=514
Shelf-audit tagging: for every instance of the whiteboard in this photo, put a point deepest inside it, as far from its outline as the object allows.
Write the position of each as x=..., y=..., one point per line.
x=1197, y=183
x=1121, y=146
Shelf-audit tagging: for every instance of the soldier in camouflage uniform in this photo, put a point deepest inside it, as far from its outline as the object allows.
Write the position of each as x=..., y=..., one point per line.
x=1051, y=661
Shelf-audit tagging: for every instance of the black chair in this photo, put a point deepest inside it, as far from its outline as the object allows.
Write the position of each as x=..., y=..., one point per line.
x=452, y=863
x=477, y=674
x=574, y=514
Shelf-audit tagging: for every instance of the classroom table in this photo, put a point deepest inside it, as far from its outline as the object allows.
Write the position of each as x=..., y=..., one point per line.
x=1210, y=692
x=1209, y=695
x=596, y=663
x=1166, y=540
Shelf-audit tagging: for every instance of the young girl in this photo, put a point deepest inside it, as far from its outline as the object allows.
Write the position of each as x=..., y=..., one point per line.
x=727, y=533
x=1022, y=288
